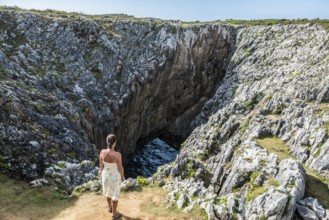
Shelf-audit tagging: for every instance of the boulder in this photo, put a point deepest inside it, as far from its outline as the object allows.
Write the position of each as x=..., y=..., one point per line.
x=128, y=184
x=310, y=208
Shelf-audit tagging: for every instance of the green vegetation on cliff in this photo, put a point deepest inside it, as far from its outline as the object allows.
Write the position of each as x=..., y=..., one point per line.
x=316, y=185
x=71, y=15
x=323, y=22
x=18, y=198
x=275, y=145
x=19, y=201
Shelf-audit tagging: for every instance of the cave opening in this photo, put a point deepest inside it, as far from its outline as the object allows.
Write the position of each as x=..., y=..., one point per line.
x=148, y=157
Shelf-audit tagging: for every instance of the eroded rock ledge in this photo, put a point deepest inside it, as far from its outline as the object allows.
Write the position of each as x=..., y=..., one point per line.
x=256, y=142
x=261, y=142
x=67, y=83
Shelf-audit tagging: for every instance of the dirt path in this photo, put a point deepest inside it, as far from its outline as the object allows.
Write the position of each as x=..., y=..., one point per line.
x=91, y=206
x=145, y=205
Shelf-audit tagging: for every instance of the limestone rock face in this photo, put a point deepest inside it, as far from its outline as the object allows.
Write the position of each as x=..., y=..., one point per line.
x=66, y=83
x=67, y=175
x=309, y=208
x=268, y=115
x=252, y=103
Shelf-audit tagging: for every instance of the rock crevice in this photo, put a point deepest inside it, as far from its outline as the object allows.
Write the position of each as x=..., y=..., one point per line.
x=67, y=83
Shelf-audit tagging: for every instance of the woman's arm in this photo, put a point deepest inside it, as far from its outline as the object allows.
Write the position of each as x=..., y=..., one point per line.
x=120, y=167
x=101, y=162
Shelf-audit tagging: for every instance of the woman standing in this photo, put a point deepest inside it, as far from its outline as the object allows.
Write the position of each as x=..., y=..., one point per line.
x=110, y=163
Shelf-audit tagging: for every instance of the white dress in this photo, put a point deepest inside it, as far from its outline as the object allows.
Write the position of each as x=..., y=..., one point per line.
x=111, y=180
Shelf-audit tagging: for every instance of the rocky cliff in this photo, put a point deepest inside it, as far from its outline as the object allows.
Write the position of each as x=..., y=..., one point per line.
x=251, y=103
x=267, y=120
x=66, y=83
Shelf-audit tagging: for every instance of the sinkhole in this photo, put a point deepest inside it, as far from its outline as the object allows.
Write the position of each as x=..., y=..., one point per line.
x=149, y=157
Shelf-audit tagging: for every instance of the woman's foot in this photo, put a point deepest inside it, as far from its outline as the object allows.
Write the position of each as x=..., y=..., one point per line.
x=110, y=209
x=117, y=215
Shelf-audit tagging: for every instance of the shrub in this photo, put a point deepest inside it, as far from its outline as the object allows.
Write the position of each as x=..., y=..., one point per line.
x=253, y=101
x=253, y=193
x=254, y=190
x=245, y=125
x=262, y=217
x=273, y=182
x=268, y=98
x=142, y=181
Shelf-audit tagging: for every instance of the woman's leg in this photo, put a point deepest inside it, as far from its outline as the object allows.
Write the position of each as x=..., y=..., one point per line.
x=116, y=214
x=114, y=207
x=109, y=201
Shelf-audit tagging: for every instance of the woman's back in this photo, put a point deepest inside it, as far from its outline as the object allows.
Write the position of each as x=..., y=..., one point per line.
x=110, y=156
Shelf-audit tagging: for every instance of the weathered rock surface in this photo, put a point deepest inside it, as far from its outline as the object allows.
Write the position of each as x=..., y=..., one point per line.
x=127, y=184
x=310, y=208
x=38, y=183
x=274, y=87
x=66, y=83
x=68, y=176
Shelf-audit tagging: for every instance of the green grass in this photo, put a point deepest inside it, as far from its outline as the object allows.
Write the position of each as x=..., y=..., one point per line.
x=326, y=126
x=275, y=145
x=245, y=125
x=50, y=13
x=293, y=74
x=280, y=108
x=323, y=22
x=42, y=203
x=142, y=181
x=75, y=15
x=267, y=98
x=18, y=199
x=273, y=182
x=191, y=173
x=253, y=101
x=158, y=208
x=5, y=73
x=38, y=108
x=72, y=155
x=324, y=106
x=83, y=188
x=319, y=113
x=3, y=164
x=318, y=151
x=316, y=185
x=254, y=190
x=262, y=217
x=47, y=12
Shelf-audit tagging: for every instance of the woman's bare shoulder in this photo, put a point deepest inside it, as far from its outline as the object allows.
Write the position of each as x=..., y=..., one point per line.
x=103, y=151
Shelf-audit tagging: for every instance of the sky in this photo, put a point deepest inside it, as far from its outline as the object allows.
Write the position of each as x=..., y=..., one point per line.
x=188, y=10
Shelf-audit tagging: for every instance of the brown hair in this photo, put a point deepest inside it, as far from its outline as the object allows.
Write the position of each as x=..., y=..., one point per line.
x=110, y=140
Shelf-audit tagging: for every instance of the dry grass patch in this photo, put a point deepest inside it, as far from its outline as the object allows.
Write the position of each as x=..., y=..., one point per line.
x=275, y=145
x=326, y=126
x=316, y=185
x=158, y=207
x=273, y=182
x=19, y=199
x=324, y=106
x=20, y=202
